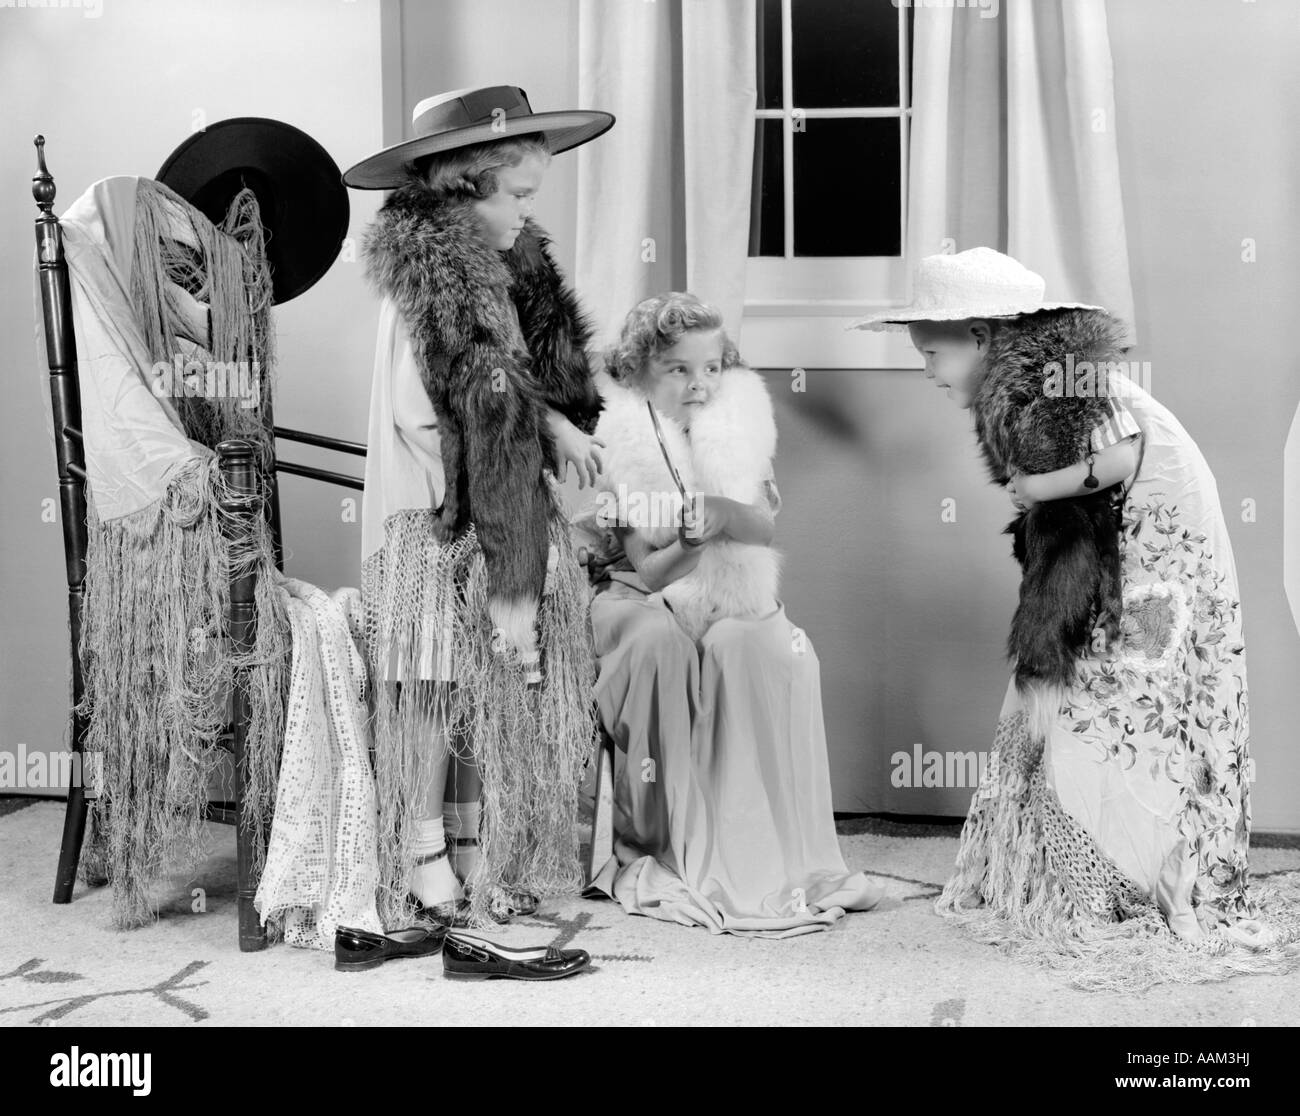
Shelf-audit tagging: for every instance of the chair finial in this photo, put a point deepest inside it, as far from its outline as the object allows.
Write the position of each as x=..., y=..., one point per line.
x=43, y=188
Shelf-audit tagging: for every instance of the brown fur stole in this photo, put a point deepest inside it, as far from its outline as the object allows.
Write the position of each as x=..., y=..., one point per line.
x=499, y=337
x=1068, y=549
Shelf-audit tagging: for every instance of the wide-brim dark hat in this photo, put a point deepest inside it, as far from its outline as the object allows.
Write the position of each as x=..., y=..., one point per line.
x=466, y=116
x=303, y=203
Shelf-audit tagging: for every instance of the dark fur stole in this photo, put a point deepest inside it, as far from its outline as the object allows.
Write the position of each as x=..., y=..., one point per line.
x=499, y=337
x=555, y=329
x=1068, y=549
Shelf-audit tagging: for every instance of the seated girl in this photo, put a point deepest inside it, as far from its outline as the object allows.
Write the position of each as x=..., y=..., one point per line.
x=722, y=791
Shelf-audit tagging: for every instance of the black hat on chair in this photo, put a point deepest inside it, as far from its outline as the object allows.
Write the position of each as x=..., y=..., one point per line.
x=303, y=202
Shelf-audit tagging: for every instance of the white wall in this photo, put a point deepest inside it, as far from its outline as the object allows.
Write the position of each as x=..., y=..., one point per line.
x=533, y=44
x=909, y=615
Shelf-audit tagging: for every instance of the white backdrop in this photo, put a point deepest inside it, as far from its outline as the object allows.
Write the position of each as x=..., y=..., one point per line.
x=908, y=613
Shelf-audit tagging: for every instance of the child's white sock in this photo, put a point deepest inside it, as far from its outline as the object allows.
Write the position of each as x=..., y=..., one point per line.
x=462, y=822
x=433, y=880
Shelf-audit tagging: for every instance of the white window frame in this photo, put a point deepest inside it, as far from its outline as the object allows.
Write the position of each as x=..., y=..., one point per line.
x=796, y=313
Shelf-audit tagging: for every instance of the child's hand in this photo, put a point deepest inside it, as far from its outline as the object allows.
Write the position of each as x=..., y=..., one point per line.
x=1021, y=501
x=705, y=517
x=574, y=447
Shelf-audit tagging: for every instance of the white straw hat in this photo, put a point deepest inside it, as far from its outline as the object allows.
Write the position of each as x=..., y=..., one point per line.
x=475, y=115
x=977, y=283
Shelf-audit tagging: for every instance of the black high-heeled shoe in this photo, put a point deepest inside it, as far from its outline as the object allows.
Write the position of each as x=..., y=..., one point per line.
x=504, y=904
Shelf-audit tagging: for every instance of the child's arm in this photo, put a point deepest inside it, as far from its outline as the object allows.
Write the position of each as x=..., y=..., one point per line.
x=659, y=566
x=746, y=523
x=1110, y=466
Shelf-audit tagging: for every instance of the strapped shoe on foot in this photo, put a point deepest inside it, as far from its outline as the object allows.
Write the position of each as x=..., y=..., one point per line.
x=503, y=905
x=520, y=902
x=448, y=913
x=453, y=913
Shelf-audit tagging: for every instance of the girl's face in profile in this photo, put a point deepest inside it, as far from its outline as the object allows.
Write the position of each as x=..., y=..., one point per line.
x=684, y=377
x=503, y=214
x=954, y=355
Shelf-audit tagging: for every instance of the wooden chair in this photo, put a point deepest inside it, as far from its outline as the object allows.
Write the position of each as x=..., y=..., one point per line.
x=253, y=493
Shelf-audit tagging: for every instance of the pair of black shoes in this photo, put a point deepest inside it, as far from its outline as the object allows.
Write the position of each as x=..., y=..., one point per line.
x=464, y=956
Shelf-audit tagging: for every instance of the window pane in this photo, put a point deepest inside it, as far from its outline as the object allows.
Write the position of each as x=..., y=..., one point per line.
x=846, y=188
x=767, y=207
x=845, y=53
x=769, y=53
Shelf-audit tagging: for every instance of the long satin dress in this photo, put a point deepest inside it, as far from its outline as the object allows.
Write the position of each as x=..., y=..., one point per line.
x=722, y=791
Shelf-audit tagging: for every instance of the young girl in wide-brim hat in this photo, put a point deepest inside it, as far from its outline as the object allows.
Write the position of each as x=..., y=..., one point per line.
x=476, y=628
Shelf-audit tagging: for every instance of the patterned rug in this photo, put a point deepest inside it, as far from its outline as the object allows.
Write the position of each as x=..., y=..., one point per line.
x=901, y=965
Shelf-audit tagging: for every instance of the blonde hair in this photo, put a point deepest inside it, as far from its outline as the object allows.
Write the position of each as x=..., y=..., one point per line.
x=658, y=323
x=470, y=172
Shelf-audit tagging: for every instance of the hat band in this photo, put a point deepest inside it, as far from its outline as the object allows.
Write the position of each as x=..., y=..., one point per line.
x=479, y=107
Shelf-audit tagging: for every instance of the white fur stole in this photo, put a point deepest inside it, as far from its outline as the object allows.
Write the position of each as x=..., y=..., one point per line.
x=728, y=453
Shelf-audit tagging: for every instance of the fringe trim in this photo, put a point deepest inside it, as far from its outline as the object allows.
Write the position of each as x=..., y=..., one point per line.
x=264, y=674
x=530, y=742
x=1029, y=880
x=157, y=668
x=158, y=673
x=225, y=267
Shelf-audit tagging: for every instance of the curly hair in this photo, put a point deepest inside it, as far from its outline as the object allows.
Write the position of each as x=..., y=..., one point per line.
x=470, y=172
x=658, y=323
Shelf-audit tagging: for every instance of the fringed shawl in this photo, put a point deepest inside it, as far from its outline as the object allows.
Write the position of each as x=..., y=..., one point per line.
x=157, y=667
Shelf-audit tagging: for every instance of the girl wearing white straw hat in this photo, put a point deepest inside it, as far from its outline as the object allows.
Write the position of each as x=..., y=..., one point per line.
x=1111, y=831
x=476, y=624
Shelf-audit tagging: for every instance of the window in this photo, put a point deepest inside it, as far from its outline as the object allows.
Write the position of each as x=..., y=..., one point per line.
x=828, y=210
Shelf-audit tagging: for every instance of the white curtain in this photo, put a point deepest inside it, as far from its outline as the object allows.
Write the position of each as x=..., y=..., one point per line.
x=663, y=198
x=1013, y=144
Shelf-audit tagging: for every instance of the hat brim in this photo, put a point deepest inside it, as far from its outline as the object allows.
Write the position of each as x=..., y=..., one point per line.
x=392, y=167
x=900, y=318
x=304, y=207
